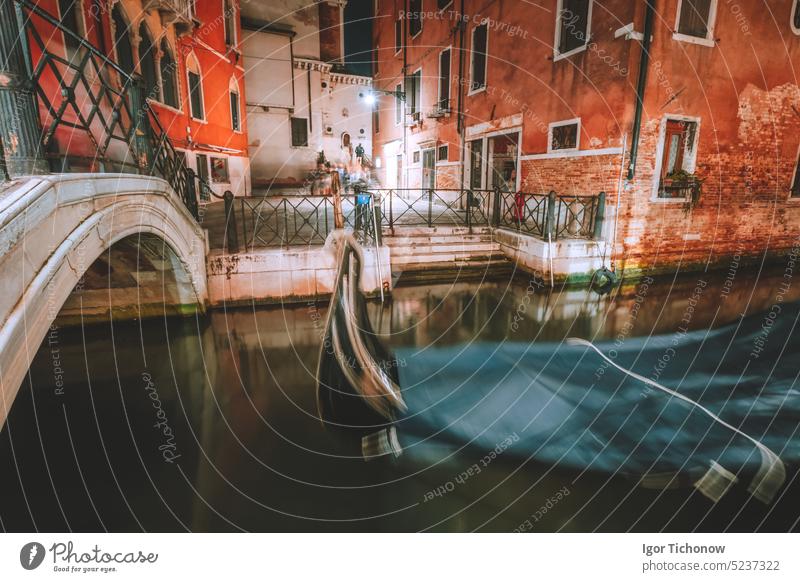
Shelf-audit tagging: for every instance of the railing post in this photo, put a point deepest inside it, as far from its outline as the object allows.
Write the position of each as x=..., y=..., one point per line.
x=19, y=113
x=469, y=209
x=497, y=207
x=231, y=236
x=430, y=208
x=549, y=225
x=600, y=216
x=190, y=196
x=391, y=210
x=378, y=213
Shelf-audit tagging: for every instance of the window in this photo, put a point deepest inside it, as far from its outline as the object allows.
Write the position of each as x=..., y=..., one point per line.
x=202, y=167
x=376, y=116
x=398, y=35
x=444, y=80
x=573, y=24
x=72, y=19
x=414, y=94
x=299, y=132
x=168, y=69
x=442, y=4
x=564, y=135
x=795, y=20
x=376, y=59
x=195, y=88
x=122, y=40
x=398, y=105
x=219, y=171
x=677, y=158
x=236, y=114
x=696, y=20
x=230, y=23
x=796, y=181
x=480, y=40
x=147, y=62
x=441, y=156
x=414, y=17
x=415, y=157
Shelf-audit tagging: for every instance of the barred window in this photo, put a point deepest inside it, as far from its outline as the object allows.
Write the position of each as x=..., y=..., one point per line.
x=299, y=132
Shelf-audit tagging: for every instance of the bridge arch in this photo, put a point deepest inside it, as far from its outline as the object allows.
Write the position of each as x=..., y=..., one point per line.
x=52, y=229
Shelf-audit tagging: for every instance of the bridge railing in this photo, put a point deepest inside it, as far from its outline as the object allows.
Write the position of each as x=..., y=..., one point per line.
x=284, y=221
x=94, y=114
x=433, y=206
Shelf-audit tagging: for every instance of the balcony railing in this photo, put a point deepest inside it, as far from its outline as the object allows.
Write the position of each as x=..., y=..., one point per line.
x=94, y=115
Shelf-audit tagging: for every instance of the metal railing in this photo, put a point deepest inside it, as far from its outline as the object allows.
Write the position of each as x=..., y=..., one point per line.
x=85, y=93
x=286, y=221
x=550, y=216
x=433, y=207
x=540, y=215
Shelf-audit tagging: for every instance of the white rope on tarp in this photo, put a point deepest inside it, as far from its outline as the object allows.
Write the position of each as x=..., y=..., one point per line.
x=770, y=476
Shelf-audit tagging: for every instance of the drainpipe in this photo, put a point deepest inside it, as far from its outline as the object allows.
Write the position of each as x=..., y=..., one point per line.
x=462, y=28
x=406, y=157
x=644, y=63
x=20, y=132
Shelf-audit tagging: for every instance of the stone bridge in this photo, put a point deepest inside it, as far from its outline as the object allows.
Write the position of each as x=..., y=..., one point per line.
x=85, y=245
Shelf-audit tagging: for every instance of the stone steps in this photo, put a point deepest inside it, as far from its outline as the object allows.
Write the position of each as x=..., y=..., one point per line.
x=432, y=254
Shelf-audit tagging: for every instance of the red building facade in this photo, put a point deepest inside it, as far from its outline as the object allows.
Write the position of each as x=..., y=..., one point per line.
x=703, y=167
x=187, y=56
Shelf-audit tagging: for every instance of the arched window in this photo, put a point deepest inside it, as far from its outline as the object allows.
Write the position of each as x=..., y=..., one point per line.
x=236, y=108
x=229, y=12
x=796, y=17
x=147, y=61
x=72, y=18
x=195, y=85
x=122, y=40
x=169, y=76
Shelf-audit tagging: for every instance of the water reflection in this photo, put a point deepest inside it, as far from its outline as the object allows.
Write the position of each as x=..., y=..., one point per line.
x=237, y=390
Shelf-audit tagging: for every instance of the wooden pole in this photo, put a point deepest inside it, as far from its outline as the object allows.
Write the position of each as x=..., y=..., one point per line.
x=336, y=191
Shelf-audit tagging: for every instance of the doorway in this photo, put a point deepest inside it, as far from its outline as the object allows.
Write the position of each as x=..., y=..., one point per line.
x=503, y=150
x=429, y=169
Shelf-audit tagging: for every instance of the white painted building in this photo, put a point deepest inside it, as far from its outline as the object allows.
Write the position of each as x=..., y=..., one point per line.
x=300, y=100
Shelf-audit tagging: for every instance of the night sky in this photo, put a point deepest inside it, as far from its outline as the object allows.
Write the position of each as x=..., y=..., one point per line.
x=358, y=36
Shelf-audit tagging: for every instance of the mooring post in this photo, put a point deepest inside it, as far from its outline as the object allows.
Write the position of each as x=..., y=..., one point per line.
x=600, y=216
x=336, y=191
x=231, y=235
x=549, y=225
x=20, y=130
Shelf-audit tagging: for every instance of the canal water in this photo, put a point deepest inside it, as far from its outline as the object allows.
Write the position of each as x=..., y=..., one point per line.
x=211, y=423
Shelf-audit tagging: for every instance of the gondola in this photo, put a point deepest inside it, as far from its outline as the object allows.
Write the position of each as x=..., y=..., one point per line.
x=709, y=408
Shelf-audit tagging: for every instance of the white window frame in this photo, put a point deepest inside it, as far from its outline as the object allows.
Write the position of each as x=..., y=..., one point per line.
x=233, y=89
x=712, y=19
x=439, y=80
x=189, y=89
x=575, y=121
x=399, y=105
x=235, y=38
x=690, y=162
x=795, y=8
x=407, y=111
x=557, y=56
x=792, y=197
x=398, y=48
x=472, y=61
x=421, y=20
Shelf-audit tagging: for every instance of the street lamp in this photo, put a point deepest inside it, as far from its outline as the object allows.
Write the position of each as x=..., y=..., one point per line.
x=370, y=96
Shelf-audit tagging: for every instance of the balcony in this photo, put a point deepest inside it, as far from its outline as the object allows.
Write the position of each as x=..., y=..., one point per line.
x=177, y=12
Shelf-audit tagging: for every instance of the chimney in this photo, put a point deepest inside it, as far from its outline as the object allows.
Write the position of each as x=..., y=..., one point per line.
x=331, y=30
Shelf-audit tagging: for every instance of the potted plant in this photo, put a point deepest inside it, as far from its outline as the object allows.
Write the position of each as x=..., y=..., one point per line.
x=683, y=184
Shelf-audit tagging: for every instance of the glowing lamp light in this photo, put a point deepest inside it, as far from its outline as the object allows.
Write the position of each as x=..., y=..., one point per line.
x=378, y=163
x=369, y=98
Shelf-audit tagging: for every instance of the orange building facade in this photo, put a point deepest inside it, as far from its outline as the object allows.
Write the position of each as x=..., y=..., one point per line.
x=693, y=133
x=188, y=57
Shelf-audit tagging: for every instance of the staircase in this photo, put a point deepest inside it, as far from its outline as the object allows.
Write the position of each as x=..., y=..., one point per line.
x=433, y=254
